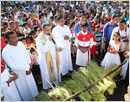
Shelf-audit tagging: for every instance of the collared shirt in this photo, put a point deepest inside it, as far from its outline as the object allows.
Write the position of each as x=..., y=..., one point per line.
x=77, y=28
x=107, y=31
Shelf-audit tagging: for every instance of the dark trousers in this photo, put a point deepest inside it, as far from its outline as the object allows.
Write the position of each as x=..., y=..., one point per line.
x=122, y=56
x=106, y=46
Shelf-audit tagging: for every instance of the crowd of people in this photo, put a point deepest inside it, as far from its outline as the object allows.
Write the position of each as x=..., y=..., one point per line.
x=38, y=41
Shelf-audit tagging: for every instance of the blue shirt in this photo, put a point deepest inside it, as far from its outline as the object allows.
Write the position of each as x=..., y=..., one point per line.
x=107, y=31
x=77, y=28
x=47, y=20
x=30, y=9
x=21, y=22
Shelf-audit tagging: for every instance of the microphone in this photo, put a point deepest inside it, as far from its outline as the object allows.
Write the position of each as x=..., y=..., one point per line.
x=53, y=40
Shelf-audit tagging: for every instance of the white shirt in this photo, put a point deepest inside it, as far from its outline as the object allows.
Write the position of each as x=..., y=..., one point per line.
x=54, y=23
x=15, y=17
x=26, y=30
x=18, y=13
x=36, y=59
x=123, y=33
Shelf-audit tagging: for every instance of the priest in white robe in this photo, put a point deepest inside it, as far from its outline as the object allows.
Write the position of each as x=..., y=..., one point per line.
x=17, y=58
x=83, y=42
x=48, y=57
x=62, y=36
x=8, y=88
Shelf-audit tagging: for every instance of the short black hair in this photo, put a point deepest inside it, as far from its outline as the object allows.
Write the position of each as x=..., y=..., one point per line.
x=28, y=37
x=55, y=16
x=9, y=32
x=32, y=50
x=24, y=15
x=32, y=33
x=11, y=22
x=84, y=24
x=71, y=24
x=39, y=11
x=59, y=18
x=3, y=34
x=3, y=15
x=114, y=16
x=35, y=27
x=21, y=38
x=25, y=23
x=122, y=21
x=20, y=35
x=45, y=24
x=51, y=17
x=2, y=28
x=42, y=14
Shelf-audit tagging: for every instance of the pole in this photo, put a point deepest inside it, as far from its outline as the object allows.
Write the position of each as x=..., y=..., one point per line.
x=88, y=87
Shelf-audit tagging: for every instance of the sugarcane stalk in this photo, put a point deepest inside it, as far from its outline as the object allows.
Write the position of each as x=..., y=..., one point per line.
x=88, y=87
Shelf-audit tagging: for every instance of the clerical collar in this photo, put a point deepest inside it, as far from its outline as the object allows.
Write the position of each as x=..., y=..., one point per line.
x=84, y=33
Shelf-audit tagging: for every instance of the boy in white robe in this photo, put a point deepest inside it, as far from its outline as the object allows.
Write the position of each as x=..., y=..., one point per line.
x=62, y=36
x=17, y=58
x=84, y=42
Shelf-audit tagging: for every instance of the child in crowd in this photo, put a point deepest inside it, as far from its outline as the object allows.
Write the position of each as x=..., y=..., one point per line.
x=35, y=68
x=35, y=28
x=105, y=21
x=92, y=18
x=72, y=25
x=23, y=40
x=20, y=20
x=83, y=42
x=98, y=36
x=34, y=24
x=29, y=40
x=73, y=47
x=93, y=50
x=39, y=31
x=33, y=35
x=112, y=57
x=26, y=28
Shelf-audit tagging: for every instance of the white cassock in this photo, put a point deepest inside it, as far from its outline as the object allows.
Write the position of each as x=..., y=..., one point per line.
x=65, y=55
x=10, y=91
x=83, y=40
x=18, y=60
x=32, y=85
x=42, y=49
